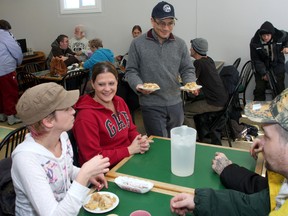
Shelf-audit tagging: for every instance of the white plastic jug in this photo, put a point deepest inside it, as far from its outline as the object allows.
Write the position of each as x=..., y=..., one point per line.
x=183, y=144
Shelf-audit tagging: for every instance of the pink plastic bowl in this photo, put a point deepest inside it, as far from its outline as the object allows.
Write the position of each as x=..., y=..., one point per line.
x=140, y=213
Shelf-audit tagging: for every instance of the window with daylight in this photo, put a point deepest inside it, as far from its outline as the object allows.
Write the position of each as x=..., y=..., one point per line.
x=80, y=6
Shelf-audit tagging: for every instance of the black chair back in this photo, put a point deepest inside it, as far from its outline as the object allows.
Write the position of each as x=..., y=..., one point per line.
x=76, y=80
x=74, y=147
x=210, y=125
x=14, y=138
x=26, y=80
x=7, y=192
x=230, y=77
x=225, y=117
x=246, y=74
x=32, y=67
x=237, y=62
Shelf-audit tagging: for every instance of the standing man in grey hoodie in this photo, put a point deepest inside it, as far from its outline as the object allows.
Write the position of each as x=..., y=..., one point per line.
x=160, y=57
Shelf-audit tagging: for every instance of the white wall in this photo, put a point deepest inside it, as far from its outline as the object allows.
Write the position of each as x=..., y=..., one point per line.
x=227, y=25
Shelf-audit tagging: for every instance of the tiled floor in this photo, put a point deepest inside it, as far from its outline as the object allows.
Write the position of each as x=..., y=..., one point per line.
x=5, y=124
x=4, y=131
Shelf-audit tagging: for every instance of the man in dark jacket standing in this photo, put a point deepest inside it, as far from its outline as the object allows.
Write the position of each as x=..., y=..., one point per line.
x=267, y=49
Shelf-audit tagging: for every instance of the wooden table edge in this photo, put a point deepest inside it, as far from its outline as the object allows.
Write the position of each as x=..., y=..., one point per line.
x=159, y=187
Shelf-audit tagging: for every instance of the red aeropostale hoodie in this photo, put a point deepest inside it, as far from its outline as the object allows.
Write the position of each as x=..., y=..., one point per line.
x=98, y=130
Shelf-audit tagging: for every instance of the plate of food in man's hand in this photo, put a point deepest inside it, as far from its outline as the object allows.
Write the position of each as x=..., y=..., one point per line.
x=191, y=86
x=150, y=86
x=101, y=202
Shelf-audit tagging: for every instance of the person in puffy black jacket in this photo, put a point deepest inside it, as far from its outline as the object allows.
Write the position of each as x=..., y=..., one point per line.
x=267, y=49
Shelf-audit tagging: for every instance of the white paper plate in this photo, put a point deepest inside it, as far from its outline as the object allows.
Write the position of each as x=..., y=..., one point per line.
x=133, y=184
x=190, y=89
x=97, y=210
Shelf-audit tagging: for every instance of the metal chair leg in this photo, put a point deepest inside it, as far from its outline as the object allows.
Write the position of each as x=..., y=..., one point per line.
x=228, y=135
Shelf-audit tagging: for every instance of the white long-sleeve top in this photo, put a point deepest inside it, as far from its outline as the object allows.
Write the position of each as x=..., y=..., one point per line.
x=43, y=182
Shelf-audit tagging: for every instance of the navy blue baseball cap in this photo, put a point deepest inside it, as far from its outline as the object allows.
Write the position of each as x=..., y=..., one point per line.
x=163, y=10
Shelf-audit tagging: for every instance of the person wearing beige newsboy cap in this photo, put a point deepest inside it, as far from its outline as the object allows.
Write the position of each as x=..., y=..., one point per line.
x=44, y=160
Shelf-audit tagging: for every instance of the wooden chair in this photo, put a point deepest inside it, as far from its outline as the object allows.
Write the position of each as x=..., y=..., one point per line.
x=76, y=80
x=14, y=138
x=26, y=80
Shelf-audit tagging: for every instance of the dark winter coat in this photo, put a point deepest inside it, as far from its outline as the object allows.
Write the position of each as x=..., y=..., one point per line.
x=261, y=59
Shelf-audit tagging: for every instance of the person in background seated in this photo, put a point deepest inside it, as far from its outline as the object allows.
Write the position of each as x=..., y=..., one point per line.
x=272, y=201
x=215, y=94
x=160, y=57
x=136, y=31
x=44, y=178
x=103, y=123
x=60, y=49
x=100, y=54
x=10, y=57
x=122, y=59
x=267, y=49
x=79, y=43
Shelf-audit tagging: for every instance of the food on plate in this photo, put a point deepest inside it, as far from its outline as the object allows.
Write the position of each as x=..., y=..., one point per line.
x=151, y=86
x=101, y=201
x=191, y=85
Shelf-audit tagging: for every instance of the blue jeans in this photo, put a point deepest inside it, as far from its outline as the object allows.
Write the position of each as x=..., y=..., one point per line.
x=159, y=120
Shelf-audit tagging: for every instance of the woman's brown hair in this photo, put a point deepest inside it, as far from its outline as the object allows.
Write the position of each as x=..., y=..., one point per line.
x=136, y=27
x=103, y=67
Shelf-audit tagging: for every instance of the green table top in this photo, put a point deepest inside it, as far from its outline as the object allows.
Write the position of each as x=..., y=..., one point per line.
x=153, y=202
x=156, y=165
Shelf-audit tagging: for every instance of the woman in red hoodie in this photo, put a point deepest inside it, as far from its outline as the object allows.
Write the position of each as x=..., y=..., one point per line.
x=103, y=122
